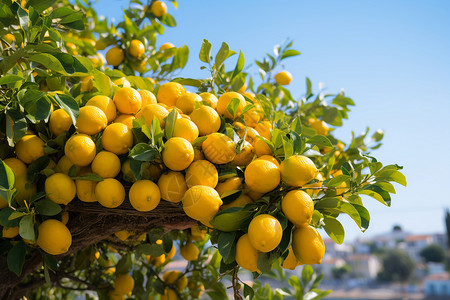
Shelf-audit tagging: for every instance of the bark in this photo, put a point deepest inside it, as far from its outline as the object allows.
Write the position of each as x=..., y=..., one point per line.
x=90, y=223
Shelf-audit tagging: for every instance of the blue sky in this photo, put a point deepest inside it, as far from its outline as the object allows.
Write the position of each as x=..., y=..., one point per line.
x=391, y=57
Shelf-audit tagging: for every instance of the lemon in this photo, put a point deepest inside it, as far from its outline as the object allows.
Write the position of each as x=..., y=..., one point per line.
x=262, y=176
x=25, y=189
x=169, y=294
x=106, y=104
x=136, y=48
x=117, y=138
x=196, y=288
x=283, y=78
x=206, y=119
x=189, y=252
x=177, y=278
x=298, y=170
x=202, y=172
x=127, y=174
x=186, y=129
x=10, y=233
x=319, y=182
x=54, y=237
x=201, y=202
x=126, y=120
x=197, y=234
x=115, y=56
x=269, y=158
x=223, y=102
x=308, y=245
x=157, y=261
x=29, y=148
x=158, y=9
x=60, y=188
x=124, y=284
x=265, y=232
x=241, y=201
x=264, y=128
x=245, y=156
x=122, y=82
x=110, y=193
x=246, y=254
x=291, y=262
x=65, y=217
x=261, y=148
x=147, y=97
x=178, y=154
x=320, y=126
x=187, y=102
x=64, y=164
x=123, y=235
x=91, y=120
x=87, y=83
x=169, y=93
x=80, y=149
x=172, y=186
x=9, y=38
x=106, y=164
x=218, y=148
x=209, y=99
x=171, y=253
x=231, y=184
x=127, y=100
x=59, y=122
x=298, y=207
x=144, y=195
x=151, y=111
x=18, y=167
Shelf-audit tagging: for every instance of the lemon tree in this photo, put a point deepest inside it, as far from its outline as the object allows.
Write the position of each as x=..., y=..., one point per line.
x=113, y=166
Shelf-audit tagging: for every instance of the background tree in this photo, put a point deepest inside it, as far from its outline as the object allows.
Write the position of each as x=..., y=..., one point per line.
x=433, y=253
x=398, y=266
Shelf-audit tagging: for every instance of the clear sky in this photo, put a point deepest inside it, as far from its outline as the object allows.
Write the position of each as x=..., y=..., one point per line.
x=391, y=57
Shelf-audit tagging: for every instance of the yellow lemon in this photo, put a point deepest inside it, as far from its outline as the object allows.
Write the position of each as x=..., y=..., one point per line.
x=91, y=120
x=201, y=202
x=308, y=245
x=87, y=83
x=246, y=254
x=219, y=148
x=245, y=156
x=178, y=154
x=206, y=119
x=54, y=237
x=147, y=97
x=209, y=99
x=189, y=252
x=65, y=217
x=80, y=149
x=319, y=182
x=320, y=126
x=126, y=120
x=197, y=234
x=202, y=172
x=171, y=253
x=187, y=102
x=136, y=48
x=291, y=262
x=169, y=294
x=298, y=170
x=298, y=207
x=18, y=167
x=9, y=38
x=151, y=111
x=262, y=176
x=110, y=193
x=265, y=232
x=127, y=100
x=283, y=78
x=106, y=104
x=177, y=278
x=117, y=138
x=86, y=190
x=166, y=46
x=186, y=129
x=158, y=9
x=169, y=93
x=241, y=201
x=269, y=158
x=64, y=164
x=10, y=233
x=231, y=184
x=123, y=235
x=29, y=148
x=122, y=82
x=115, y=56
x=261, y=148
x=264, y=128
x=60, y=121
x=60, y=188
x=172, y=186
x=106, y=164
x=124, y=284
x=144, y=195
x=223, y=102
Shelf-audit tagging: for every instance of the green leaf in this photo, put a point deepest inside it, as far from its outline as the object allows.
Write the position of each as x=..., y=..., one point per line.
x=239, y=65
x=10, y=79
x=335, y=205
x=91, y=177
x=103, y=83
x=307, y=274
x=227, y=246
x=7, y=176
x=169, y=20
x=24, y=19
x=308, y=88
x=233, y=106
x=221, y=56
x=49, y=61
x=154, y=250
x=377, y=193
x=337, y=181
x=248, y=291
x=320, y=141
x=143, y=152
x=47, y=207
x=124, y=265
x=41, y=5
x=170, y=123
x=5, y=213
x=391, y=175
x=288, y=147
x=69, y=105
x=198, y=141
x=364, y=214
x=230, y=219
x=26, y=228
x=16, y=257
x=264, y=263
x=289, y=53
x=188, y=81
x=334, y=229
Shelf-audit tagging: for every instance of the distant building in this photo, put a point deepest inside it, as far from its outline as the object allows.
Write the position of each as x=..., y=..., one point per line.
x=437, y=285
x=415, y=243
x=336, y=250
x=328, y=264
x=364, y=266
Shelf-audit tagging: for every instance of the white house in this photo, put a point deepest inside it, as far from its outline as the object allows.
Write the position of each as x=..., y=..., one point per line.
x=364, y=266
x=437, y=285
